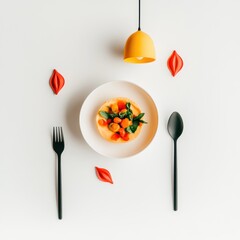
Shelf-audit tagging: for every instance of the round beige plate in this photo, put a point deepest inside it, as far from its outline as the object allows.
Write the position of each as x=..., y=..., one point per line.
x=94, y=101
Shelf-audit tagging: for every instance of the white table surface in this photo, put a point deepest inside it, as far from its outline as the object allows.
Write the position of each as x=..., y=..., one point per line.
x=84, y=40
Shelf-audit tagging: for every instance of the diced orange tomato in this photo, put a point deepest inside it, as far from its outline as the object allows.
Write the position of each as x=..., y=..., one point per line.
x=125, y=123
x=115, y=136
x=114, y=108
x=122, y=132
x=114, y=127
x=140, y=124
x=121, y=105
x=117, y=120
x=102, y=122
x=125, y=137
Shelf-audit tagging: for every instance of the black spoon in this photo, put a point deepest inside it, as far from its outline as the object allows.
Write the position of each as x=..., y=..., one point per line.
x=175, y=129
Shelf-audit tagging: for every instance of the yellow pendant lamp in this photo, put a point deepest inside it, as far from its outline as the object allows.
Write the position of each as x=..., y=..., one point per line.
x=139, y=47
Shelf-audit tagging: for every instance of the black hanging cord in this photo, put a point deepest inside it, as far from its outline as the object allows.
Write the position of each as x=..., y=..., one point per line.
x=139, y=15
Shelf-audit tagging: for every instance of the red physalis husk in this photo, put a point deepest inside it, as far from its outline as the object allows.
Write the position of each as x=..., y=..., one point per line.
x=56, y=81
x=103, y=175
x=175, y=63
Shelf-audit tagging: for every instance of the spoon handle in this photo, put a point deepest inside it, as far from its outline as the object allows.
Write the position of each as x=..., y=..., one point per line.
x=175, y=198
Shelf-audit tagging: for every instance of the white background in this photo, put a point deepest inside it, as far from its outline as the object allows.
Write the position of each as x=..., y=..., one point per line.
x=84, y=41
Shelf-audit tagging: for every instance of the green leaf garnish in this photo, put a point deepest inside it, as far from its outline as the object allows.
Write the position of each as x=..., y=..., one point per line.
x=132, y=128
x=137, y=118
x=104, y=114
x=142, y=121
x=112, y=115
x=107, y=115
x=128, y=129
x=129, y=115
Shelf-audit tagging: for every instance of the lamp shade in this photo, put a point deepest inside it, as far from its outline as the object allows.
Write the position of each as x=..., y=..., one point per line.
x=139, y=48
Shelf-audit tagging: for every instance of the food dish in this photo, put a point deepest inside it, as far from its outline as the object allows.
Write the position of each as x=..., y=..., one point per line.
x=119, y=120
x=92, y=104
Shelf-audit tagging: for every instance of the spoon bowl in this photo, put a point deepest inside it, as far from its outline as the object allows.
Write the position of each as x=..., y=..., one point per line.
x=175, y=125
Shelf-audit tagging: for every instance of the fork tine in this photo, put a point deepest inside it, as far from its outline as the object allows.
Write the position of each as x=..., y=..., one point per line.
x=62, y=134
x=58, y=137
x=54, y=138
x=59, y=132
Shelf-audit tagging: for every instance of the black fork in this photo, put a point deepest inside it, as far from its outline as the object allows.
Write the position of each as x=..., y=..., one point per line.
x=58, y=146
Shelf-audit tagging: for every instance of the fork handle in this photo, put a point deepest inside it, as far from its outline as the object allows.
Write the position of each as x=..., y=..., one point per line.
x=59, y=188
